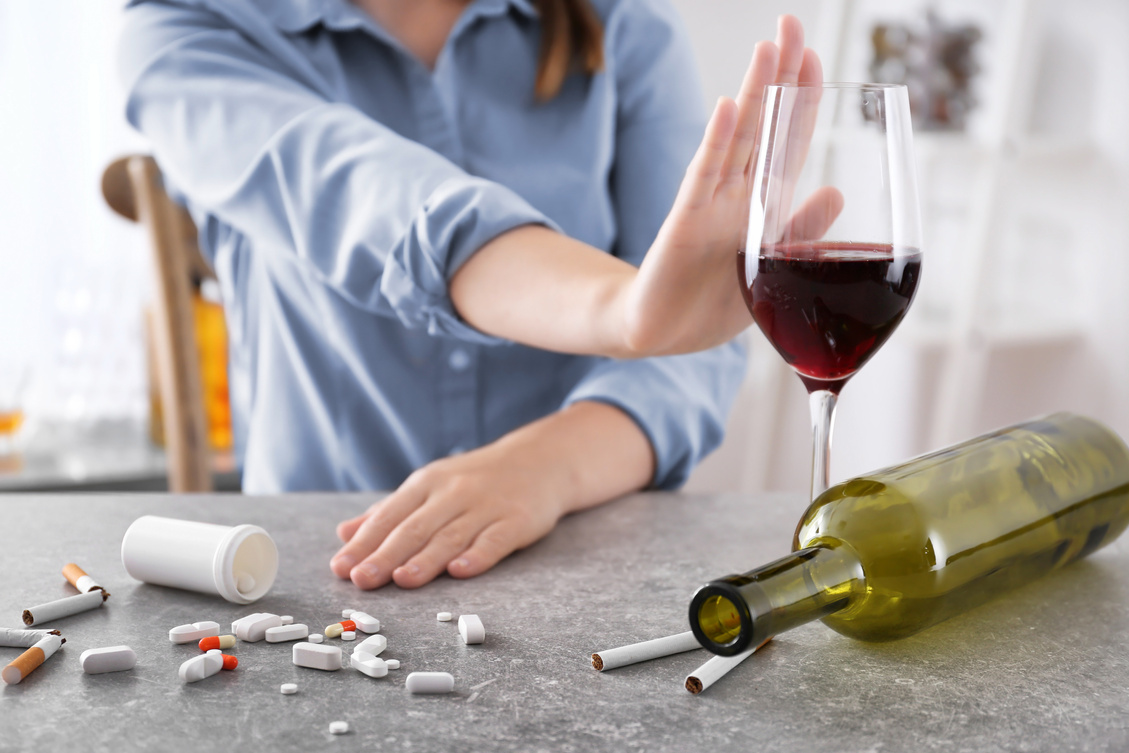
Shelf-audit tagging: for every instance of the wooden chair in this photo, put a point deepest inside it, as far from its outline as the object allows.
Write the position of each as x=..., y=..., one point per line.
x=133, y=187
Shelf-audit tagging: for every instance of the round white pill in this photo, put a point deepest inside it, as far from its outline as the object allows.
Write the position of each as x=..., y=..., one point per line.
x=289, y=688
x=444, y=616
x=430, y=682
x=287, y=619
x=392, y=663
x=315, y=638
x=346, y=612
x=244, y=582
x=338, y=728
x=349, y=635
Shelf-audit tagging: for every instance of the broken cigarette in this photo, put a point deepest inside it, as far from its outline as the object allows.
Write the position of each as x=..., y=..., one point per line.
x=54, y=610
x=78, y=578
x=24, y=664
x=716, y=668
x=645, y=651
x=17, y=638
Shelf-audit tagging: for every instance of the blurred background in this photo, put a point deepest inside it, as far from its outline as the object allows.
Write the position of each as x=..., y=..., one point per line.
x=1021, y=116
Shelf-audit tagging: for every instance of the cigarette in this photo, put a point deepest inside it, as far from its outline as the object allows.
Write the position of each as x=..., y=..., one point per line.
x=645, y=651
x=17, y=638
x=53, y=610
x=24, y=664
x=78, y=578
x=716, y=668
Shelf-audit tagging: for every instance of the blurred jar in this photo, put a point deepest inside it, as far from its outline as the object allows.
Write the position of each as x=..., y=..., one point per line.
x=13, y=381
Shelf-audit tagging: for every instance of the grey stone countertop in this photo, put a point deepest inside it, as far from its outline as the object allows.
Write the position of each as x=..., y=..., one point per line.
x=1043, y=669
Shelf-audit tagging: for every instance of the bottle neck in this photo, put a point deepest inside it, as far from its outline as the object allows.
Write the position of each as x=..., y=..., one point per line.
x=733, y=614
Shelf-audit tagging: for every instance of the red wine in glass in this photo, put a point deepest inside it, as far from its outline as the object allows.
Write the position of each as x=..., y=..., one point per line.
x=828, y=306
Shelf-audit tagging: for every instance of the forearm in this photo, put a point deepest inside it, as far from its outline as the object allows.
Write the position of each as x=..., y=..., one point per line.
x=538, y=287
x=594, y=451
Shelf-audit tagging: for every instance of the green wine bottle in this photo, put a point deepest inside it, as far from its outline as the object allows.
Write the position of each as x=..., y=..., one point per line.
x=888, y=554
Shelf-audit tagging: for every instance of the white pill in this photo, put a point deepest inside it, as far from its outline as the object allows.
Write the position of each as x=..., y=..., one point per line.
x=444, y=617
x=316, y=638
x=348, y=635
x=392, y=663
x=193, y=632
x=374, y=644
x=289, y=688
x=471, y=629
x=368, y=664
x=287, y=619
x=199, y=667
x=366, y=623
x=235, y=625
x=346, y=612
x=316, y=656
x=338, y=728
x=281, y=633
x=430, y=682
x=255, y=629
x=95, y=661
x=244, y=583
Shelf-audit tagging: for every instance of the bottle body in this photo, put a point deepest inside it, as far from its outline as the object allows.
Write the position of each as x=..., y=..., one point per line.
x=912, y=545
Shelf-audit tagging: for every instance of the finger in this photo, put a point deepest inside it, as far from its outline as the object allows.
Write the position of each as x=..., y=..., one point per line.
x=815, y=215
x=432, y=560
x=702, y=175
x=811, y=69
x=761, y=72
x=490, y=547
x=346, y=529
x=790, y=40
x=377, y=523
x=405, y=540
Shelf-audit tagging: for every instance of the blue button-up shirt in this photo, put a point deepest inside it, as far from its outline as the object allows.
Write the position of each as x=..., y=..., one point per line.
x=338, y=184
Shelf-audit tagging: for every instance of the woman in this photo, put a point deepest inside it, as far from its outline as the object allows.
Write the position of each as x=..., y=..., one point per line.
x=428, y=219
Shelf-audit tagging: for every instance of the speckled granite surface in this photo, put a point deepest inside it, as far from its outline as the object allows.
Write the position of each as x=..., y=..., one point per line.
x=1045, y=669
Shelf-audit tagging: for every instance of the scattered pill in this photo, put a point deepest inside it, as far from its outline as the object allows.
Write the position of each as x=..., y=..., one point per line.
x=338, y=628
x=430, y=682
x=289, y=688
x=444, y=617
x=235, y=625
x=346, y=613
x=392, y=663
x=374, y=644
x=312, y=655
x=338, y=728
x=471, y=629
x=24, y=664
x=95, y=661
x=281, y=633
x=217, y=641
x=287, y=619
x=200, y=667
x=365, y=622
x=255, y=629
x=244, y=583
x=193, y=632
x=316, y=638
x=348, y=635
x=367, y=664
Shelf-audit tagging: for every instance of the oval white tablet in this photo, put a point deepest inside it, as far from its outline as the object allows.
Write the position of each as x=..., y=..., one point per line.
x=365, y=622
x=374, y=644
x=471, y=629
x=255, y=629
x=280, y=633
x=193, y=632
x=95, y=661
x=430, y=682
x=317, y=656
x=368, y=664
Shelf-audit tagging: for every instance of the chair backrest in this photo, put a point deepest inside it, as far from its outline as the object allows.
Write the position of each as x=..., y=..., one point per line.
x=133, y=187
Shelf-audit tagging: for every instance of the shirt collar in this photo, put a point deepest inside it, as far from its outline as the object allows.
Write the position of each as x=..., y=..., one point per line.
x=295, y=16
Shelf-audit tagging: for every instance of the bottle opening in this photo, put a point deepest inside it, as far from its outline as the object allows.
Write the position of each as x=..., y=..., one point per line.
x=719, y=620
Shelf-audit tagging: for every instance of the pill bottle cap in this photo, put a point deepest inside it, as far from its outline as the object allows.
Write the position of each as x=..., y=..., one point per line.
x=245, y=565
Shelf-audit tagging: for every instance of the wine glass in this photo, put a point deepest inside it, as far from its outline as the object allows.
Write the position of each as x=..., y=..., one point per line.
x=832, y=255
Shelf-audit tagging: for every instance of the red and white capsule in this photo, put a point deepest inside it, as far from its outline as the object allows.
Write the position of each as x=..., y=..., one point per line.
x=338, y=628
x=217, y=642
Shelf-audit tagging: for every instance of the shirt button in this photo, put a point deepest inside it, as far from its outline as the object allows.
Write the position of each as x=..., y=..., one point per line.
x=459, y=360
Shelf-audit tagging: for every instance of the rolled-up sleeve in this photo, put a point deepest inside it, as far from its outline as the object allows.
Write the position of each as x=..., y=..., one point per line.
x=249, y=133
x=680, y=402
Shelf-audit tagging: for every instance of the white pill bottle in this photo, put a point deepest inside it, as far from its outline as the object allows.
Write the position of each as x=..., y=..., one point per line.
x=238, y=563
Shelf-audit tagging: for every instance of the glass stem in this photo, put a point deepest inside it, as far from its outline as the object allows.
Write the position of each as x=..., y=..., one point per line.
x=822, y=405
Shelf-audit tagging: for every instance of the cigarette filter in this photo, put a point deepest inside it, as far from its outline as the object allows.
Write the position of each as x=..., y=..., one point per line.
x=24, y=664
x=54, y=610
x=78, y=578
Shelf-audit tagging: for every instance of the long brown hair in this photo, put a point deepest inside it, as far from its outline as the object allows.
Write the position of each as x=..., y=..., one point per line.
x=572, y=38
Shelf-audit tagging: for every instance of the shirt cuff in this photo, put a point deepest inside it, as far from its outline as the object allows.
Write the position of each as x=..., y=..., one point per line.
x=461, y=215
